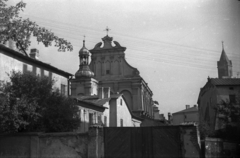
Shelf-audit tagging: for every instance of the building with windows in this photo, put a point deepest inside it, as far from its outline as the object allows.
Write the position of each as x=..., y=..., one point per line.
x=216, y=90
x=187, y=116
x=14, y=60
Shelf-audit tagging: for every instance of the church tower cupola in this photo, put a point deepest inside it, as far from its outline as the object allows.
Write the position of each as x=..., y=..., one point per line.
x=84, y=70
x=224, y=65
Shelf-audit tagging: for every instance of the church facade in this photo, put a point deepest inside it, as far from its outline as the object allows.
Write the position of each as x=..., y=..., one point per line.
x=112, y=70
x=97, y=105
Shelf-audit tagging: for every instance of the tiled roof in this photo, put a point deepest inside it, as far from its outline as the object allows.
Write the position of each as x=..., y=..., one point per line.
x=93, y=100
x=225, y=81
x=192, y=109
x=99, y=102
x=93, y=103
x=87, y=97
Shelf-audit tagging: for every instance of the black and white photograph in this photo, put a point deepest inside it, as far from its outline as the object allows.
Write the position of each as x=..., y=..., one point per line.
x=119, y=78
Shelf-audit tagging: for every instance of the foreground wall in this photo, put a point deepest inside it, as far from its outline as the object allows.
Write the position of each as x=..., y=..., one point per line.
x=38, y=145
x=132, y=142
x=154, y=142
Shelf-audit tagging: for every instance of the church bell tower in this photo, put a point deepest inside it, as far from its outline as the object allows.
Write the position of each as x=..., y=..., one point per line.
x=84, y=84
x=224, y=65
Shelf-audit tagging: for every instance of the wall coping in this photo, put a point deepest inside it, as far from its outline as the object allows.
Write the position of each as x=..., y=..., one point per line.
x=42, y=134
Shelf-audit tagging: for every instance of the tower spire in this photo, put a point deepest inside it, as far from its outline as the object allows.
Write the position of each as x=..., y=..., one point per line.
x=224, y=65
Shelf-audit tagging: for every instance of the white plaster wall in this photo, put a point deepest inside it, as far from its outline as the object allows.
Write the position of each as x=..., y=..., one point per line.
x=136, y=123
x=107, y=114
x=8, y=64
x=123, y=113
x=84, y=117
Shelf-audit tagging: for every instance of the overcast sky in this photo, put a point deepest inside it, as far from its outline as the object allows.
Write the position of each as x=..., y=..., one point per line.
x=175, y=44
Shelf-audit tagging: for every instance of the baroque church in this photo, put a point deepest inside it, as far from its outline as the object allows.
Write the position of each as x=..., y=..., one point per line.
x=112, y=70
x=107, y=75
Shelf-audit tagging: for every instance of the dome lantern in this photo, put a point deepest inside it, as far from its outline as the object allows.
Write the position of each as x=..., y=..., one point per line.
x=84, y=70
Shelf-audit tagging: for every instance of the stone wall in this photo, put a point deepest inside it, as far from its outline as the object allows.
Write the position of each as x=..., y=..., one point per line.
x=85, y=145
x=53, y=145
x=191, y=141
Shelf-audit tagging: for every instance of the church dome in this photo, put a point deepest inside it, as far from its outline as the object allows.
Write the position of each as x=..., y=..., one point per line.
x=84, y=71
x=84, y=50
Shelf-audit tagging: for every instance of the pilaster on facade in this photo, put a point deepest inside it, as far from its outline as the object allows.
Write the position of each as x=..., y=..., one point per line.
x=120, y=75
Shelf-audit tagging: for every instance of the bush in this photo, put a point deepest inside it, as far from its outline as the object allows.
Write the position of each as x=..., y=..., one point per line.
x=29, y=104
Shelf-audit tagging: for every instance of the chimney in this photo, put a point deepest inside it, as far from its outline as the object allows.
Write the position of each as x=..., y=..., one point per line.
x=169, y=116
x=100, y=93
x=156, y=114
x=11, y=44
x=106, y=92
x=34, y=53
x=187, y=106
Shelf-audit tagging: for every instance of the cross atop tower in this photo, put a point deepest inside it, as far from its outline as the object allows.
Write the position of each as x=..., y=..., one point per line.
x=84, y=40
x=107, y=29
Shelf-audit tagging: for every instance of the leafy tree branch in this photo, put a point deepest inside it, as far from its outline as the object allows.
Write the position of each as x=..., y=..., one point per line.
x=20, y=30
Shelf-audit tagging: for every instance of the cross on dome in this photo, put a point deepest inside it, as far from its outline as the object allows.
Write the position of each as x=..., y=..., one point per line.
x=84, y=40
x=107, y=29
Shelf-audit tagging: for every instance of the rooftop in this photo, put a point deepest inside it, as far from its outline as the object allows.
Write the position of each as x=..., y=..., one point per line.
x=191, y=109
x=225, y=81
x=11, y=52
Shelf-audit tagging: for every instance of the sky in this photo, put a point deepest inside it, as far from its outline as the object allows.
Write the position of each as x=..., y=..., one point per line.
x=175, y=44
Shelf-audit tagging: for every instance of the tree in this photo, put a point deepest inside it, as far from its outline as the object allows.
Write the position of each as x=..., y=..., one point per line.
x=229, y=112
x=29, y=104
x=205, y=130
x=13, y=27
x=229, y=117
